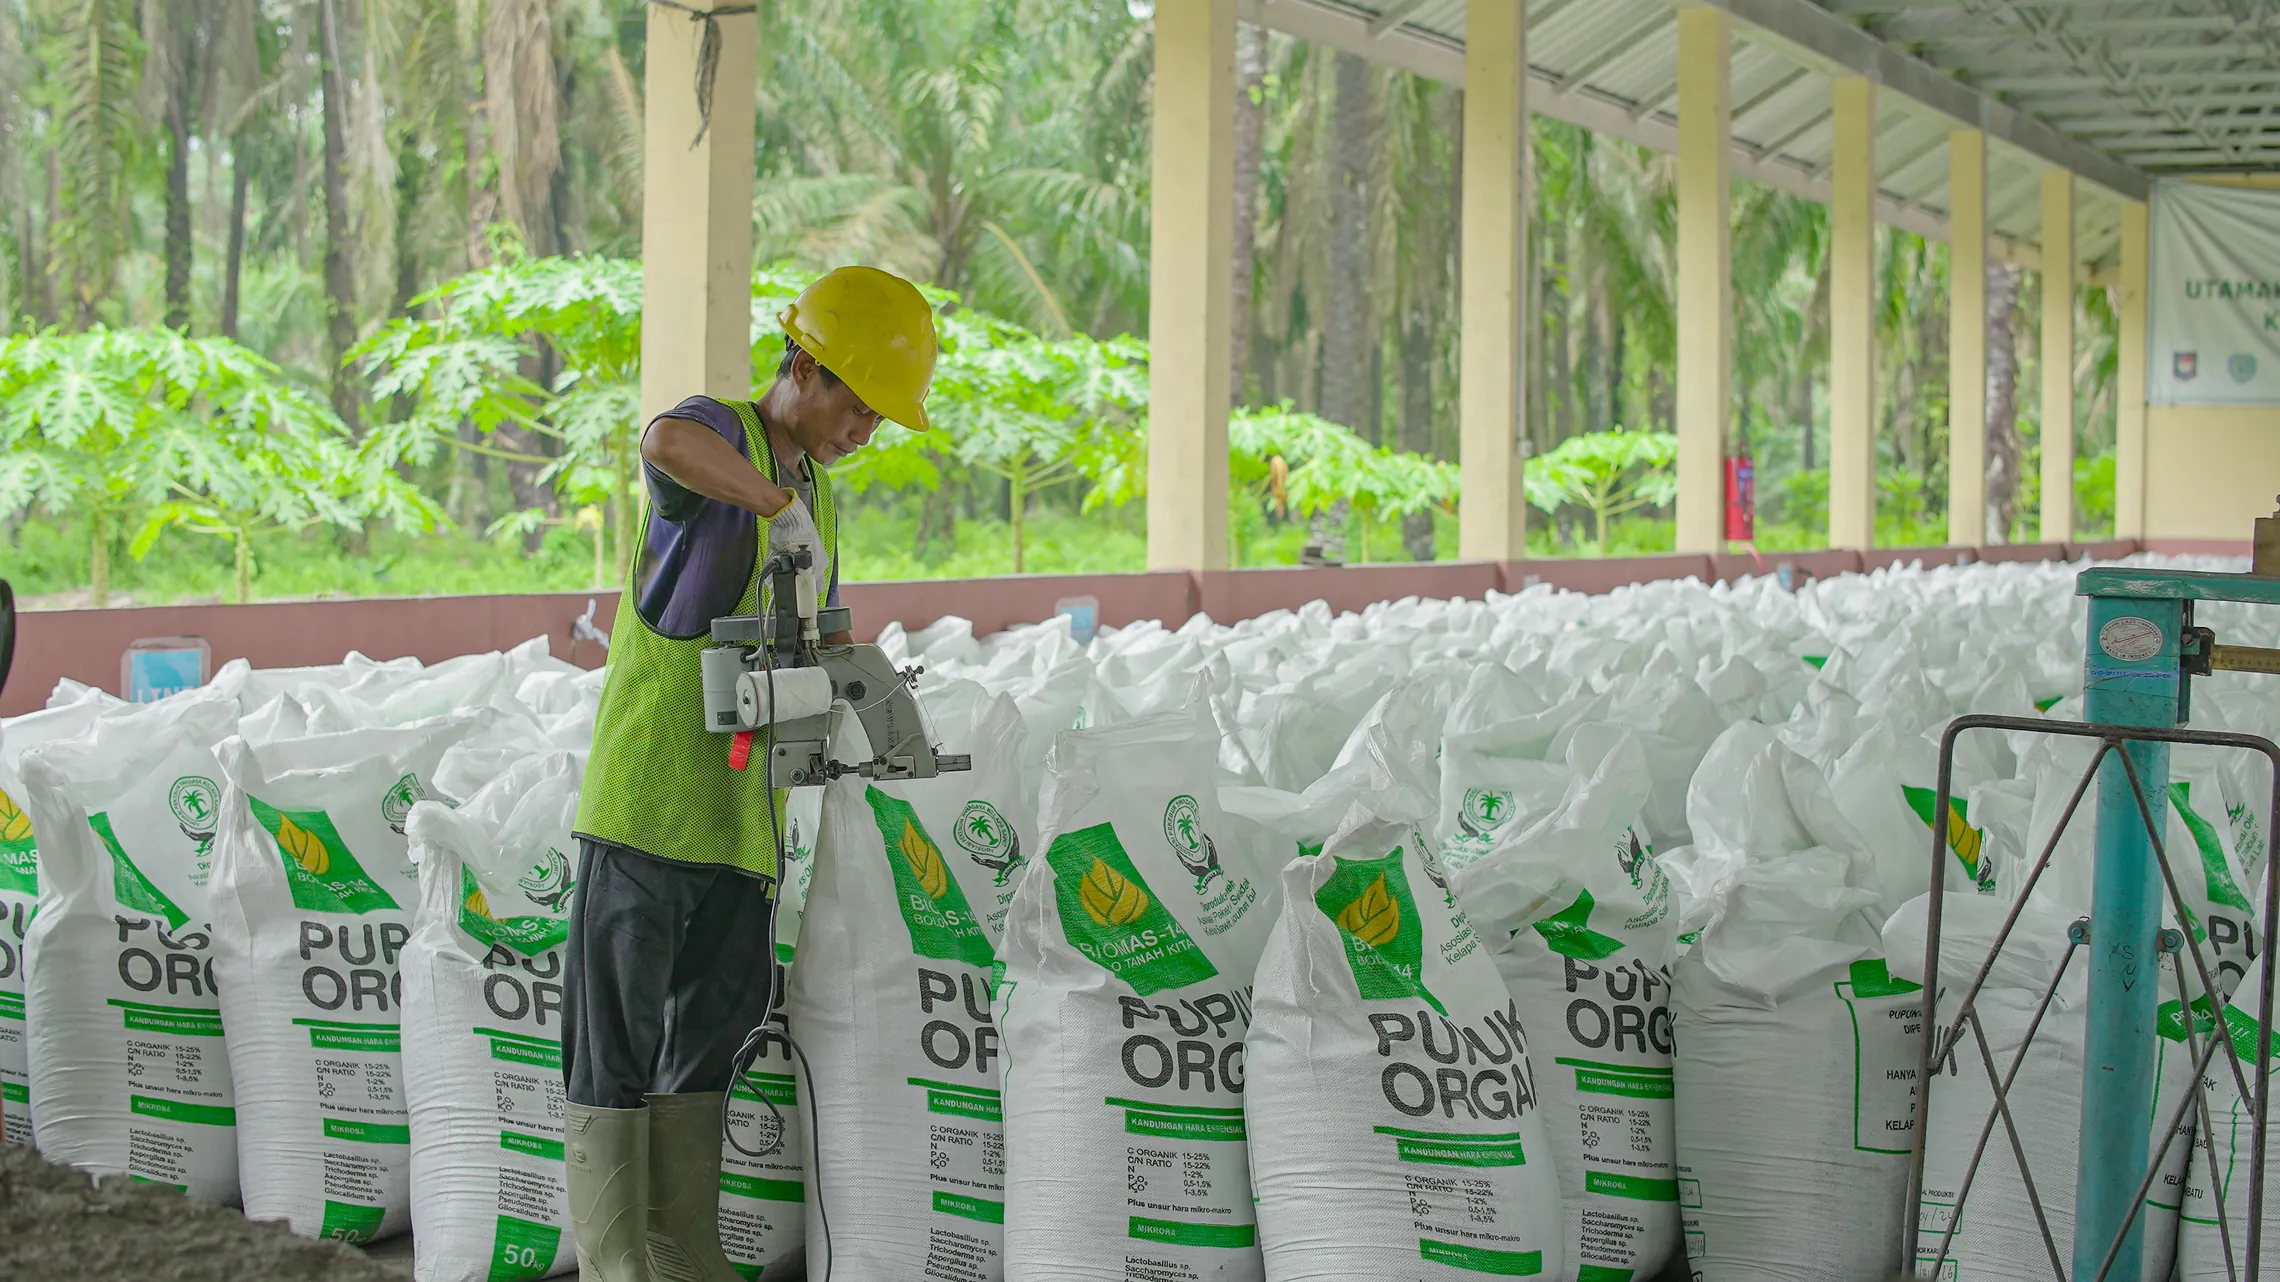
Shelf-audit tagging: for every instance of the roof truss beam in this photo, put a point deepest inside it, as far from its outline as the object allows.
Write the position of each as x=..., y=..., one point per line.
x=1824, y=39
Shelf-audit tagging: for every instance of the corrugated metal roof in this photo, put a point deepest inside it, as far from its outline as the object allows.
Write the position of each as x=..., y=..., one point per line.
x=2157, y=85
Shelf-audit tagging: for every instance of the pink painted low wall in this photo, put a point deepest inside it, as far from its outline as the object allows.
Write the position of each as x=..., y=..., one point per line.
x=86, y=645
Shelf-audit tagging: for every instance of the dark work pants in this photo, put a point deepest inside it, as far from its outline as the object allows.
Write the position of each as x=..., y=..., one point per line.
x=670, y=965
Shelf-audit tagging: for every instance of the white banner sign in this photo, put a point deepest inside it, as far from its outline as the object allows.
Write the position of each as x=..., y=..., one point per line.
x=2213, y=296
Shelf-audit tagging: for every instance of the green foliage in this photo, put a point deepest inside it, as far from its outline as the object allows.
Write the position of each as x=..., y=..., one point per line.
x=1608, y=474
x=2094, y=496
x=462, y=364
x=196, y=433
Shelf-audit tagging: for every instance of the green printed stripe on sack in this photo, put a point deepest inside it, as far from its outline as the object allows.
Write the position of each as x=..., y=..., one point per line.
x=11, y=1005
x=1628, y=1085
x=775, y=1088
x=760, y=1190
x=530, y=1051
x=1638, y=1188
x=16, y=1092
x=533, y=1145
x=1180, y=1233
x=1178, y=1127
x=522, y=1250
x=1602, y=1273
x=332, y=1035
x=142, y=1018
x=1180, y=1121
x=341, y=1128
x=1428, y=1148
x=168, y=1110
x=969, y=1208
x=1480, y=1259
x=347, y=1222
x=144, y=1179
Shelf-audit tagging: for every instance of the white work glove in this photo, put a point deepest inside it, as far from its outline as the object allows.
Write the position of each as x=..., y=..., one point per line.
x=793, y=528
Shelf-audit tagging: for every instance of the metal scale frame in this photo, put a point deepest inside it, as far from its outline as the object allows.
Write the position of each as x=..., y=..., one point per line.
x=2141, y=653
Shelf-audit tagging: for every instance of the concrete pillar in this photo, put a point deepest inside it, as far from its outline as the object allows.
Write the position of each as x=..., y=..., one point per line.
x=1492, y=516
x=1191, y=239
x=1852, y=316
x=1967, y=338
x=2129, y=379
x=1705, y=273
x=2057, y=356
x=696, y=215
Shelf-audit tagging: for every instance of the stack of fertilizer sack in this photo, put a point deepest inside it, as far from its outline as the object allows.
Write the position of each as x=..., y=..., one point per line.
x=1548, y=935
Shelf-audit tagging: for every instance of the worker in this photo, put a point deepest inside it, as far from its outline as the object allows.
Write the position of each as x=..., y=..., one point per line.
x=671, y=956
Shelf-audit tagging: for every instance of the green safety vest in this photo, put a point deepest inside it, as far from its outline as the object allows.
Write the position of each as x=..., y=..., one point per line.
x=658, y=781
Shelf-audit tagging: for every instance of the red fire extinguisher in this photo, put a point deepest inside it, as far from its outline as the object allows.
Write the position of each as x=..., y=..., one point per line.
x=1741, y=499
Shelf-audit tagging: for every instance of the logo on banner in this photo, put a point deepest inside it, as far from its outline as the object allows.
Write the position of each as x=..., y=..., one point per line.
x=2184, y=365
x=2242, y=367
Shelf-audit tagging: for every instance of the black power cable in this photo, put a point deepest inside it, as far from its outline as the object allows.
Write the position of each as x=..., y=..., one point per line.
x=740, y=1070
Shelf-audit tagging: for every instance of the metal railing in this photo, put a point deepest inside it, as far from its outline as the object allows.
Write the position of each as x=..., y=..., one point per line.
x=1943, y=1036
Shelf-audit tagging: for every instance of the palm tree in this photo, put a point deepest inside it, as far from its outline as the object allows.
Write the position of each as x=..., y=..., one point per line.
x=917, y=136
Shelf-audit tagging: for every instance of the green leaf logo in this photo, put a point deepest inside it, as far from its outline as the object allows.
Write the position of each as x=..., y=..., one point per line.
x=1372, y=918
x=1963, y=840
x=933, y=908
x=1370, y=902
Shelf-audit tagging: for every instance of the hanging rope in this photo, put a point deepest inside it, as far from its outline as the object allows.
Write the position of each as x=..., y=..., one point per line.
x=708, y=55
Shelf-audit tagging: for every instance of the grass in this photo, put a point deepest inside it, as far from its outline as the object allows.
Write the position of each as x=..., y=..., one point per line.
x=47, y=560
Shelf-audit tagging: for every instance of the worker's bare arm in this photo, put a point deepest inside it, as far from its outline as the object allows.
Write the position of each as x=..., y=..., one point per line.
x=698, y=459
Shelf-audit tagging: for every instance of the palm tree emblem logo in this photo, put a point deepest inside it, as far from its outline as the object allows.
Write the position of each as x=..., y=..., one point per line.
x=396, y=805
x=1485, y=810
x=549, y=883
x=194, y=801
x=988, y=839
x=1183, y=829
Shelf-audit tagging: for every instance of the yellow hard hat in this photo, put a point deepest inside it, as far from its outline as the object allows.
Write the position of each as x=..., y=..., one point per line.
x=876, y=332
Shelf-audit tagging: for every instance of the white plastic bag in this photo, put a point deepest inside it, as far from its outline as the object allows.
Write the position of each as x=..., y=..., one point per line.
x=1580, y=920
x=1394, y=1120
x=19, y=897
x=313, y=892
x=1123, y=1007
x=482, y=1026
x=1797, y=1049
x=890, y=1001
x=129, y=1071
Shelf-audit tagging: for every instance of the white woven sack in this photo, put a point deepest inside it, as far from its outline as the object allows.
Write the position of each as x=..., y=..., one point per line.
x=482, y=1017
x=1796, y=1048
x=2202, y=1255
x=1394, y=1121
x=313, y=897
x=763, y=1169
x=890, y=1002
x=1582, y=927
x=129, y=1070
x=1124, y=1002
x=19, y=898
x=1997, y=1234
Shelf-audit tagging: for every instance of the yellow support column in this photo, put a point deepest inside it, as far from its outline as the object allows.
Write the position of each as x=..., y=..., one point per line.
x=1967, y=338
x=1492, y=516
x=1852, y=316
x=1189, y=310
x=2057, y=356
x=696, y=214
x=1705, y=275
x=2129, y=379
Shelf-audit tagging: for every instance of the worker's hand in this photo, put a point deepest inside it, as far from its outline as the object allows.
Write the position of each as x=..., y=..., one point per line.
x=793, y=528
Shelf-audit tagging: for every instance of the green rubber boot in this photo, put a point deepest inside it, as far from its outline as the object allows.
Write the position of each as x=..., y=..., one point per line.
x=605, y=1160
x=684, y=1189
